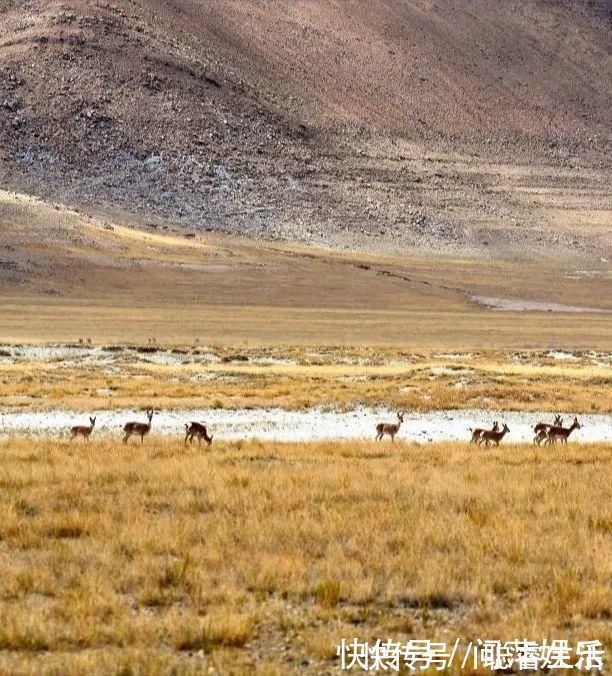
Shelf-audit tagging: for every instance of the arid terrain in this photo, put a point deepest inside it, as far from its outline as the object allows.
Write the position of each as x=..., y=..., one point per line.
x=83, y=377
x=291, y=221
x=258, y=557
x=68, y=276
x=306, y=173
x=479, y=127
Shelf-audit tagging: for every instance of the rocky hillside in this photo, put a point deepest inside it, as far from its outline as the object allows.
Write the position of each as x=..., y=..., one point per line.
x=371, y=124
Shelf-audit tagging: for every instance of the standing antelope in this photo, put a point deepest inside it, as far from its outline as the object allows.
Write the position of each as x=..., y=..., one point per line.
x=495, y=437
x=197, y=430
x=541, y=429
x=83, y=430
x=389, y=428
x=557, y=432
x=137, y=428
x=478, y=431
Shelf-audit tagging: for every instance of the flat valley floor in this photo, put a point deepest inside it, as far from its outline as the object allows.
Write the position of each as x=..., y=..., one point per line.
x=69, y=277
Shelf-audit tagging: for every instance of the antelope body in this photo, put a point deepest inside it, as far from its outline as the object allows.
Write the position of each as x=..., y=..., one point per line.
x=477, y=433
x=495, y=437
x=559, y=433
x=83, y=430
x=138, y=429
x=389, y=428
x=541, y=429
x=198, y=430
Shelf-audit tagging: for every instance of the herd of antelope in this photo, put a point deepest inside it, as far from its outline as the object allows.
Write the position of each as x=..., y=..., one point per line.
x=139, y=429
x=549, y=433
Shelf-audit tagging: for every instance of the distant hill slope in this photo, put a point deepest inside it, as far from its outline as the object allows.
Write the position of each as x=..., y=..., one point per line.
x=351, y=123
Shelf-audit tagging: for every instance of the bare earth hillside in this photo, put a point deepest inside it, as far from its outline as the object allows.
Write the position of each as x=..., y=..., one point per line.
x=452, y=126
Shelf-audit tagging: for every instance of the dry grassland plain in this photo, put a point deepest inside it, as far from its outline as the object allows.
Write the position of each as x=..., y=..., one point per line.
x=259, y=557
x=66, y=275
x=116, y=377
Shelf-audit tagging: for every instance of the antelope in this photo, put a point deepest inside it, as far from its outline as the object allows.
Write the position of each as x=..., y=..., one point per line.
x=389, y=428
x=137, y=428
x=561, y=433
x=478, y=431
x=83, y=430
x=541, y=429
x=495, y=437
x=197, y=430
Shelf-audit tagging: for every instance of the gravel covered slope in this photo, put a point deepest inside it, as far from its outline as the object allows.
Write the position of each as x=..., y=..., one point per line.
x=369, y=125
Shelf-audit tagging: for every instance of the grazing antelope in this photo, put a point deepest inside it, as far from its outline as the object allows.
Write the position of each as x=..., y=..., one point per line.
x=560, y=433
x=389, y=428
x=489, y=435
x=478, y=431
x=197, y=430
x=83, y=430
x=541, y=429
x=137, y=428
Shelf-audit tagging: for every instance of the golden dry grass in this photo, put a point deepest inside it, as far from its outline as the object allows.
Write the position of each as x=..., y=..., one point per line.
x=262, y=556
x=297, y=377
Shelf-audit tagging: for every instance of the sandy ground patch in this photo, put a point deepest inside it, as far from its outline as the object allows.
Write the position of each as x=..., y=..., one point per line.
x=515, y=305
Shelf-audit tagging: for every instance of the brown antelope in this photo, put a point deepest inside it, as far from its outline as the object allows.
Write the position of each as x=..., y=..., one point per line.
x=559, y=433
x=541, y=429
x=195, y=429
x=478, y=431
x=491, y=436
x=83, y=430
x=389, y=428
x=138, y=429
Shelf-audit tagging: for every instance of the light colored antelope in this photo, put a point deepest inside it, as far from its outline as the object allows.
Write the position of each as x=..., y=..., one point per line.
x=389, y=428
x=138, y=429
x=198, y=430
x=559, y=433
x=83, y=430
x=478, y=431
x=490, y=436
x=541, y=429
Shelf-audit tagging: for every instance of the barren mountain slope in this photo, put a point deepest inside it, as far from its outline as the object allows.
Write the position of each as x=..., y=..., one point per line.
x=464, y=126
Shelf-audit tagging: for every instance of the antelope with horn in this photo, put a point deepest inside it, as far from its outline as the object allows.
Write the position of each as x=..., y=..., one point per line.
x=541, y=429
x=558, y=433
x=477, y=432
x=138, y=429
x=198, y=430
x=389, y=428
x=495, y=437
x=83, y=430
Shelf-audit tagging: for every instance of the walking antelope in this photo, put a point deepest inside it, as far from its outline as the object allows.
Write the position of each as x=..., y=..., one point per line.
x=195, y=429
x=541, y=429
x=138, y=429
x=476, y=433
x=83, y=430
x=560, y=433
x=489, y=435
x=389, y=428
